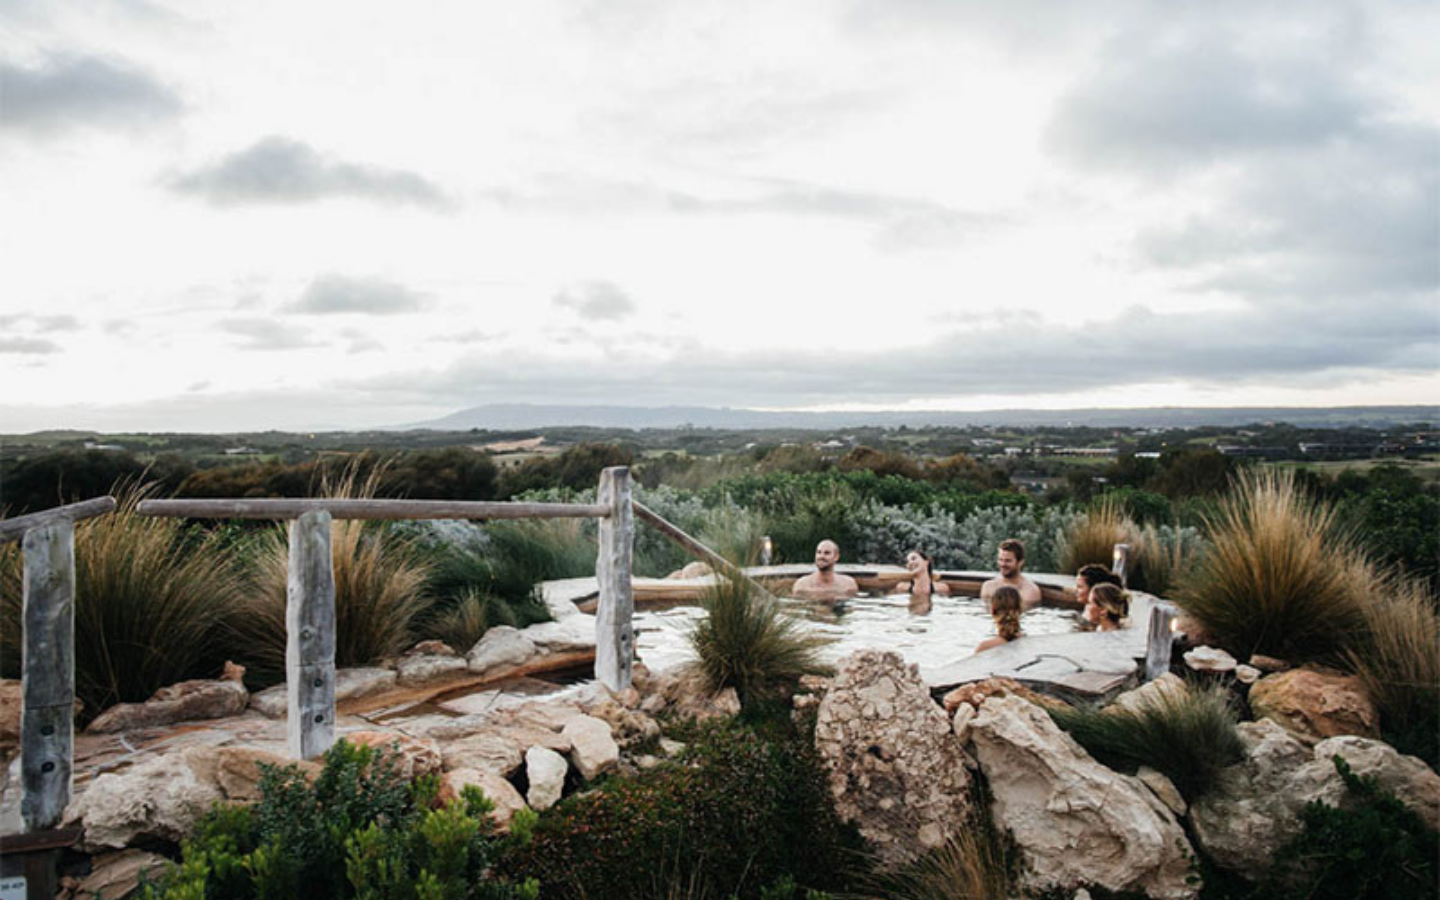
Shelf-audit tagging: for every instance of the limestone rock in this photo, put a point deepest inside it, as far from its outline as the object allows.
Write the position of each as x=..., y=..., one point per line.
x=361, y=681
x=629, y=727
x=894, y=765
x=500, y=792
x=1313, y=705
x=431, y=648
x=576, y=633
x=1247, y=674
x=10, y=695
x=500, y=746
x=1166, y=686
x=115, y=875
x=1254, y=807
x=1076, y=822
x=421, y=669
x=414, y=756
x=199, y=699
x=977, y=692
x=964, y=714
x=237, y=771
x=683, y=692
x=1210, y=659
x=1268, y=663
x=501, y=646
x=593, y=749
x=545, y=770
x=1163, y=788
x=696, y=569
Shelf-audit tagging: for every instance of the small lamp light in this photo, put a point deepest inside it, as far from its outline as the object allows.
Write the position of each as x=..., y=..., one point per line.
x=767, y=550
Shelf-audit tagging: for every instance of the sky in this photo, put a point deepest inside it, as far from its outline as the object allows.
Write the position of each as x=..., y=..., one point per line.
x=222, y=216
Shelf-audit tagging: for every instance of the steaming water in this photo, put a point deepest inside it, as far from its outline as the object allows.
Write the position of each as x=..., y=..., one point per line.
x=948, y=631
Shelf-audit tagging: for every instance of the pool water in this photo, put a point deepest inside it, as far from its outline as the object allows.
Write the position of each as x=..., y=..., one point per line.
x=945, y=632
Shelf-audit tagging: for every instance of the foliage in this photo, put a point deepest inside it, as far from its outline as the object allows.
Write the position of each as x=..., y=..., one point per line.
x=462, y=625
x=735, y=814
x=1397, y=516
x=1279, y=576
x=960, y=541
x=880, y=462
x=1399, y=664
x=1188, y=734
x=973, y=865
x=1093, y=538
x=577, y=468
x=1165, y=556
x=358, y=831
x=747, y=642
x=151, y=597
x=53, y=479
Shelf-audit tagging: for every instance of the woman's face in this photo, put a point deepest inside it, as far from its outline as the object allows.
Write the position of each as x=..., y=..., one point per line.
x=914, y=561
x=1093, y=613
x=1082, y=590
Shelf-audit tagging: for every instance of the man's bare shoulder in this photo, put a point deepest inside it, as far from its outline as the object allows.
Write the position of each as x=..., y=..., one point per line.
x=988, y=587
x=846, y=582
x=806, y=582
x=1029, y=594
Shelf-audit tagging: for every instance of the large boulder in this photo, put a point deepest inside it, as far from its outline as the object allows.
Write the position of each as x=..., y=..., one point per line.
x=545, y=772
x=894, y=767
x=1075, y=821
x=427, y=667
x=413, y=756
x=199, y=699
x=501, y=646
x=1255, y=806
x=1313, y=705
x=506, y=799
x=115, y=875
x=350, y=683
x=1167, y=687
x=593, y=749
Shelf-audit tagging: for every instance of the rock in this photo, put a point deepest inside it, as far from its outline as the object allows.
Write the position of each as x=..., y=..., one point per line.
x=1167, y=686
x=1268, y=663
x=593, y=750
x=500, y=748
x=696, y=569
x=1247, y=674
x=501, y=646
x=815, y=684
x=545, y=770
x=976, y=692
x=237, y=771
x=349, y=684
x=200, y=699
x=629, y=727
x=500, y=792
x=431, y=648
x=414, y=756
x=1254, y=807
x=1075, y=821
x=422, y=669
x=10, y=696
x=1210, y=659
x=1081, y=894
x=671, y=748
x=115, y=875
x=964, y=713
x=1163, y=788
x=573, y=634
x=1194, y=632
x=894, y=766
x=1313, y=705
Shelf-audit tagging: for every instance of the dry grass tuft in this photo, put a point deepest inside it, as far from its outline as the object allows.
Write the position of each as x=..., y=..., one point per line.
x=971, y=866
x=747, y=642
x=1399, y=664
x=1094, y=537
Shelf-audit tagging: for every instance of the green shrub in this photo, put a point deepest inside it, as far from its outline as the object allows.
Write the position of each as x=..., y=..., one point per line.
x=736, y=813
x=1279, y=577
x=747, y=642
x=359, y=830
x=151, y=596
x=1188, y=734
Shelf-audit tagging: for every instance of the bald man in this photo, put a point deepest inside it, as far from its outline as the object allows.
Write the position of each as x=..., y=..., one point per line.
x=825, y=583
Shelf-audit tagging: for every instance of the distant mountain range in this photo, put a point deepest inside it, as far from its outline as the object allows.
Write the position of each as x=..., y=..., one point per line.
x=512, y=417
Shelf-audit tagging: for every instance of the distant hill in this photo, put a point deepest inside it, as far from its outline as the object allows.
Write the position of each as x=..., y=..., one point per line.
x=509, y=417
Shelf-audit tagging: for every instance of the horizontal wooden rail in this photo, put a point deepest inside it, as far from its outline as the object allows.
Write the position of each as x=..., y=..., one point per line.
x=294, y=508
x=14, y=529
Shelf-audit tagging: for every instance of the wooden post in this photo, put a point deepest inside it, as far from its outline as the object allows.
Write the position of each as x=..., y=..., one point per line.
x=47, y=705
x=1160, y=641
x=310, y=638
x=1121, y=562
x=614, y=614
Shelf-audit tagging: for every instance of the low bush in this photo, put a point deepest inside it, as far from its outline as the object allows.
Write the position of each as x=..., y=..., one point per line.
x=1279, y=576
x=1188, y=734
x=747, y=642
x=358, y=831
x=151, y=597
x=734, y=815
x=1399, y=664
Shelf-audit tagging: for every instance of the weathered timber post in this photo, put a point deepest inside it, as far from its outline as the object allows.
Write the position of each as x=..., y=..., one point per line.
x=310, y=638
x=47, y=705
x=614, y=614
x=1121, y=563
x=1160, y=641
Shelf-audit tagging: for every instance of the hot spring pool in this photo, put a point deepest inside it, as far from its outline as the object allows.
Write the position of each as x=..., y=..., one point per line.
x=946, y=632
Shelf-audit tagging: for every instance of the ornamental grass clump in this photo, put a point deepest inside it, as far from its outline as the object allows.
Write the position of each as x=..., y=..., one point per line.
x=1092, y=539
x=746, y=641
x=1399, y=664
x=151, y=595
x=970, y=866
x=1188, y=733
x=1279, y=575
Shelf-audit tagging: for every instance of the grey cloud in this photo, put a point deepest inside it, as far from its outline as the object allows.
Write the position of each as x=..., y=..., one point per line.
x=68, y=91
x=370, y=296
x=278, y=169
x=28, y=346
x=596, y=301
x=56, y=323
x=473, y=336
x=265, y=334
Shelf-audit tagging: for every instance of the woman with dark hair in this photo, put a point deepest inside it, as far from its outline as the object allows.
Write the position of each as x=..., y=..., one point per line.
x=1109, y=605
x=923, y=581
x=1005, y=610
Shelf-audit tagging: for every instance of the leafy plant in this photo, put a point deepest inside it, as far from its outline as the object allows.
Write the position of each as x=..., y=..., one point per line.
x=747, y=642
x=1187, y=734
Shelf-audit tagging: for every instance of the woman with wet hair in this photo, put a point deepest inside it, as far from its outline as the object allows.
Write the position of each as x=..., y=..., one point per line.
x=1108, y=606
x=1005, y=610
x=923, y=581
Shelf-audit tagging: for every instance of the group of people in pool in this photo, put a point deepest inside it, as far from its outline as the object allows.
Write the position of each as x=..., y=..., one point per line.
x=1008, y=595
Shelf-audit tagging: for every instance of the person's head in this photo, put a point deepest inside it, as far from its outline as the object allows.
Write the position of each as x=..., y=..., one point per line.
x=918, y=561
x=1088, y=577
x=1005, y=610
x=827, y=554
x=1109, y=605
x=1011, y=558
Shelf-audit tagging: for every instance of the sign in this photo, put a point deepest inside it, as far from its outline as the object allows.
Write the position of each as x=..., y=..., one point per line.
x=12, y=888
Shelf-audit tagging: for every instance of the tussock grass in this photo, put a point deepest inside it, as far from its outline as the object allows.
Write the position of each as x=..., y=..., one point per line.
x=1164, y=559
x=734, y=533
x=464, y=623
x=1093, y=538
x=971, y=866
x=1279, y=576
x=1399, y=664
x=747, y=642
x=151, y=595
x=1189, y=735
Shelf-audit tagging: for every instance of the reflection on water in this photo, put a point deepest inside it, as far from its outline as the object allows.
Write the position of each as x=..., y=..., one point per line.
x=929, y=632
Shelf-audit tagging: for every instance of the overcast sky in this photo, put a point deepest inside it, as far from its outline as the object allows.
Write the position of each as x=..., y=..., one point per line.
x=224, y=216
